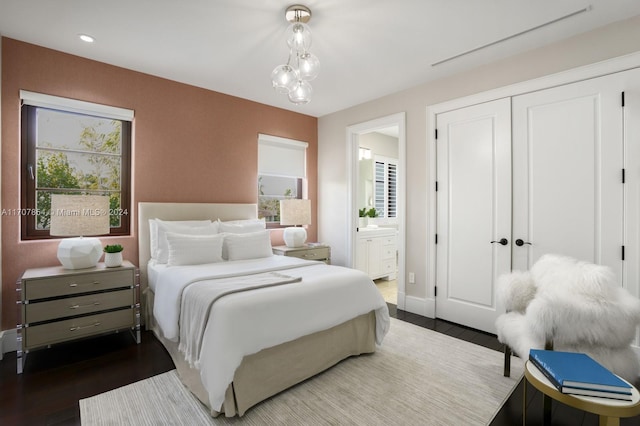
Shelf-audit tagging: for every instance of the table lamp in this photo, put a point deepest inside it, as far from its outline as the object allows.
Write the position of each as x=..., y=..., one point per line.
x=295, y=212
x=79, y=216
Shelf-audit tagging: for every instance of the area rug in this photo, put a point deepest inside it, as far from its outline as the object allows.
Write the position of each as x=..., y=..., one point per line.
x=417, y=377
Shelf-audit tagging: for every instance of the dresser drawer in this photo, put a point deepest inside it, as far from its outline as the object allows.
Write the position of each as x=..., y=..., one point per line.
x=389, y=267
x=388, y=252
x=389, y=240
x=40, y=288
x=60, y=331
x=320, y=253
x=77, y=305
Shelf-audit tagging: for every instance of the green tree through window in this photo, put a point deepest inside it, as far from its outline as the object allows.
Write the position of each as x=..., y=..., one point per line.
x=74, y=154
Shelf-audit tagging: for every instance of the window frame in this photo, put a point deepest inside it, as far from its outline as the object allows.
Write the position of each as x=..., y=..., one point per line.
x=28, y=167
x=283, y=144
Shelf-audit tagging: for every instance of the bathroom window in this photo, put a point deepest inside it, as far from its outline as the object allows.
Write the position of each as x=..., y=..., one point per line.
x=385, y=186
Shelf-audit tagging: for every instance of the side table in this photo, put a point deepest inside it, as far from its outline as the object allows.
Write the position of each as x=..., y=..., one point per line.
x=609, y=410
x=58, y=305
x=309, y=252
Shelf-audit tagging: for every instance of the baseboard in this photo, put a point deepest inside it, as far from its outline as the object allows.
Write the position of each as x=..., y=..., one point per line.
x=419, y=306
x=8, y=341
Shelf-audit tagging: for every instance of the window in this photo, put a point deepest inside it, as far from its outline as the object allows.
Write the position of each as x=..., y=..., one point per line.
x=281, y=174
x=385, y=186
x=73, y=147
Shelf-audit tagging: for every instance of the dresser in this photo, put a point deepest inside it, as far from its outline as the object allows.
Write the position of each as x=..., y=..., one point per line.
x=309, y=252
x=59, y=305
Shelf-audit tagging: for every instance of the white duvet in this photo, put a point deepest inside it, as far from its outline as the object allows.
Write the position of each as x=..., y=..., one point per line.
x=244, y=323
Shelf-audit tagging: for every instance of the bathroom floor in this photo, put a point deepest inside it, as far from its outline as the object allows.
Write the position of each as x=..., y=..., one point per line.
x=389, y=290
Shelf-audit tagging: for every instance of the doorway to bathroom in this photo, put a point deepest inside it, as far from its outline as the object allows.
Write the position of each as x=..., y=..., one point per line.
x=377, y=203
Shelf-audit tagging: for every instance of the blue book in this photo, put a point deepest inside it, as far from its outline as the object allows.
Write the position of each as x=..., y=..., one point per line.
x=576, y=370
x=601, y=394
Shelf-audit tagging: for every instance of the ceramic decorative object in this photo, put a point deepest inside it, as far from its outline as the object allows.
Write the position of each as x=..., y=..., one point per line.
x=113, y=255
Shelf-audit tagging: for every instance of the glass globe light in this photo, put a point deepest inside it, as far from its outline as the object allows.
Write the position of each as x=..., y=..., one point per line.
x=301, y=94
x=309, y=66
x=299, y=36
x=284, y=78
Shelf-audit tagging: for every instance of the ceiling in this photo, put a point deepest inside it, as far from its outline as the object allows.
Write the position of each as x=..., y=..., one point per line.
x=367, y=48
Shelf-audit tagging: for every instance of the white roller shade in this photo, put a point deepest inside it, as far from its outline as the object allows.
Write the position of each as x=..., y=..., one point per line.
x=74, y=105
x=281, y=157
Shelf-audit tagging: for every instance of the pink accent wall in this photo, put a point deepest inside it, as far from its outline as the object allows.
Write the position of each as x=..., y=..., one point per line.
x=189, y=144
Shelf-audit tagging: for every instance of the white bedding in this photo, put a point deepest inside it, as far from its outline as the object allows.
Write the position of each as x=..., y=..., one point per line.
x=244, y=323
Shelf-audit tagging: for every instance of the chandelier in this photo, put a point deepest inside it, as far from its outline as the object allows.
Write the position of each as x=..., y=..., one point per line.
x=293, y=77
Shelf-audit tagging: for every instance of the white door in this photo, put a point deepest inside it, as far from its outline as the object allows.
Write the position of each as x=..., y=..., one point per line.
x=568, y=146
x=567, y=173
x=473, y=209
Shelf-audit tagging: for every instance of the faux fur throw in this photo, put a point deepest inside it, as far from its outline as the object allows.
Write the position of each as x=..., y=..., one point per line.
x=576, y=305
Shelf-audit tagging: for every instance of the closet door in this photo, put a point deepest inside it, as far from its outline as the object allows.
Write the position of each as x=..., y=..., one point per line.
x=568, y=152
x=473, y=209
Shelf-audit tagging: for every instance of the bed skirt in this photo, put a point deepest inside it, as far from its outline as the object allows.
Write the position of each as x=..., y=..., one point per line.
x=272, y=370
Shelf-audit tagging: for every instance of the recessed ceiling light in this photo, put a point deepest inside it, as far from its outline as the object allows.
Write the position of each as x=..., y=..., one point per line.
x=86, y=38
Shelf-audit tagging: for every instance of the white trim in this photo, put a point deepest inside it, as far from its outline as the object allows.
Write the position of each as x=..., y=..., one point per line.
x=586, y=72
x=74, y=105
x=432, y=207
x=352, y=146
x=419, y=306
x=598, y=69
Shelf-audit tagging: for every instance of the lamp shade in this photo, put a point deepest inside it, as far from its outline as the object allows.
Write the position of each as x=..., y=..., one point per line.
x=79, y=216
x=295, y=212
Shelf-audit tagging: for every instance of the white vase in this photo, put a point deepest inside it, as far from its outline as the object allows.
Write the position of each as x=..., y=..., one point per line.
x=112, y=260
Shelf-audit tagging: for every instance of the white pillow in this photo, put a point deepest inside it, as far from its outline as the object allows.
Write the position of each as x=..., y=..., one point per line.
x=193, y=249
x=252, y=245
x=158, y=229
x=242, y=226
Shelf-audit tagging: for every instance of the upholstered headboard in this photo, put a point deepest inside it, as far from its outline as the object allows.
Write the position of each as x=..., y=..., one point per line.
x=182, y=211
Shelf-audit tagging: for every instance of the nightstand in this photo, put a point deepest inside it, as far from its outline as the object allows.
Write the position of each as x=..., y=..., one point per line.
x=59, y=305
x=315, y=252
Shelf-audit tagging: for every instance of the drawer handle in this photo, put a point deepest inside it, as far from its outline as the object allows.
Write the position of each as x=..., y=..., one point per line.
x=84, y=306
x=80, y=327
x=76, y=284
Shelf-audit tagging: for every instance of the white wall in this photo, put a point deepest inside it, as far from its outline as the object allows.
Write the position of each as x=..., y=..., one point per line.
x=380, y=144
x=607, y=42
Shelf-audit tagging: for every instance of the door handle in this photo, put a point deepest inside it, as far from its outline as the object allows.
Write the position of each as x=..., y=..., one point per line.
x=520, y=243
x=502, y=241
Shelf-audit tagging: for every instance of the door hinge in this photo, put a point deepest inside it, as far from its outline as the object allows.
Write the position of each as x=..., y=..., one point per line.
x=436, y=133
x=622, y=98
x=436, y=238
x=436, y=186
x=622, y=252
x=623, y=176
x=435, y=292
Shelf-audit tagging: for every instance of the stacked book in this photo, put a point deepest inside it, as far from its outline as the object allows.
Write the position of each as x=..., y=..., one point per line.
x=579, y=374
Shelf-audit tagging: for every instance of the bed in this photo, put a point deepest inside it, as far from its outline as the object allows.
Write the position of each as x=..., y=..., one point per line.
x=246, y=325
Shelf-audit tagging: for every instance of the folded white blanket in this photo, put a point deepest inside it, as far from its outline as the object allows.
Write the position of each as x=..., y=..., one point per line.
x=199, y=297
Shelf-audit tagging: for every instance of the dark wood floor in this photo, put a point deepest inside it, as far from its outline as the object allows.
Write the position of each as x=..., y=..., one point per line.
x=54, y=380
